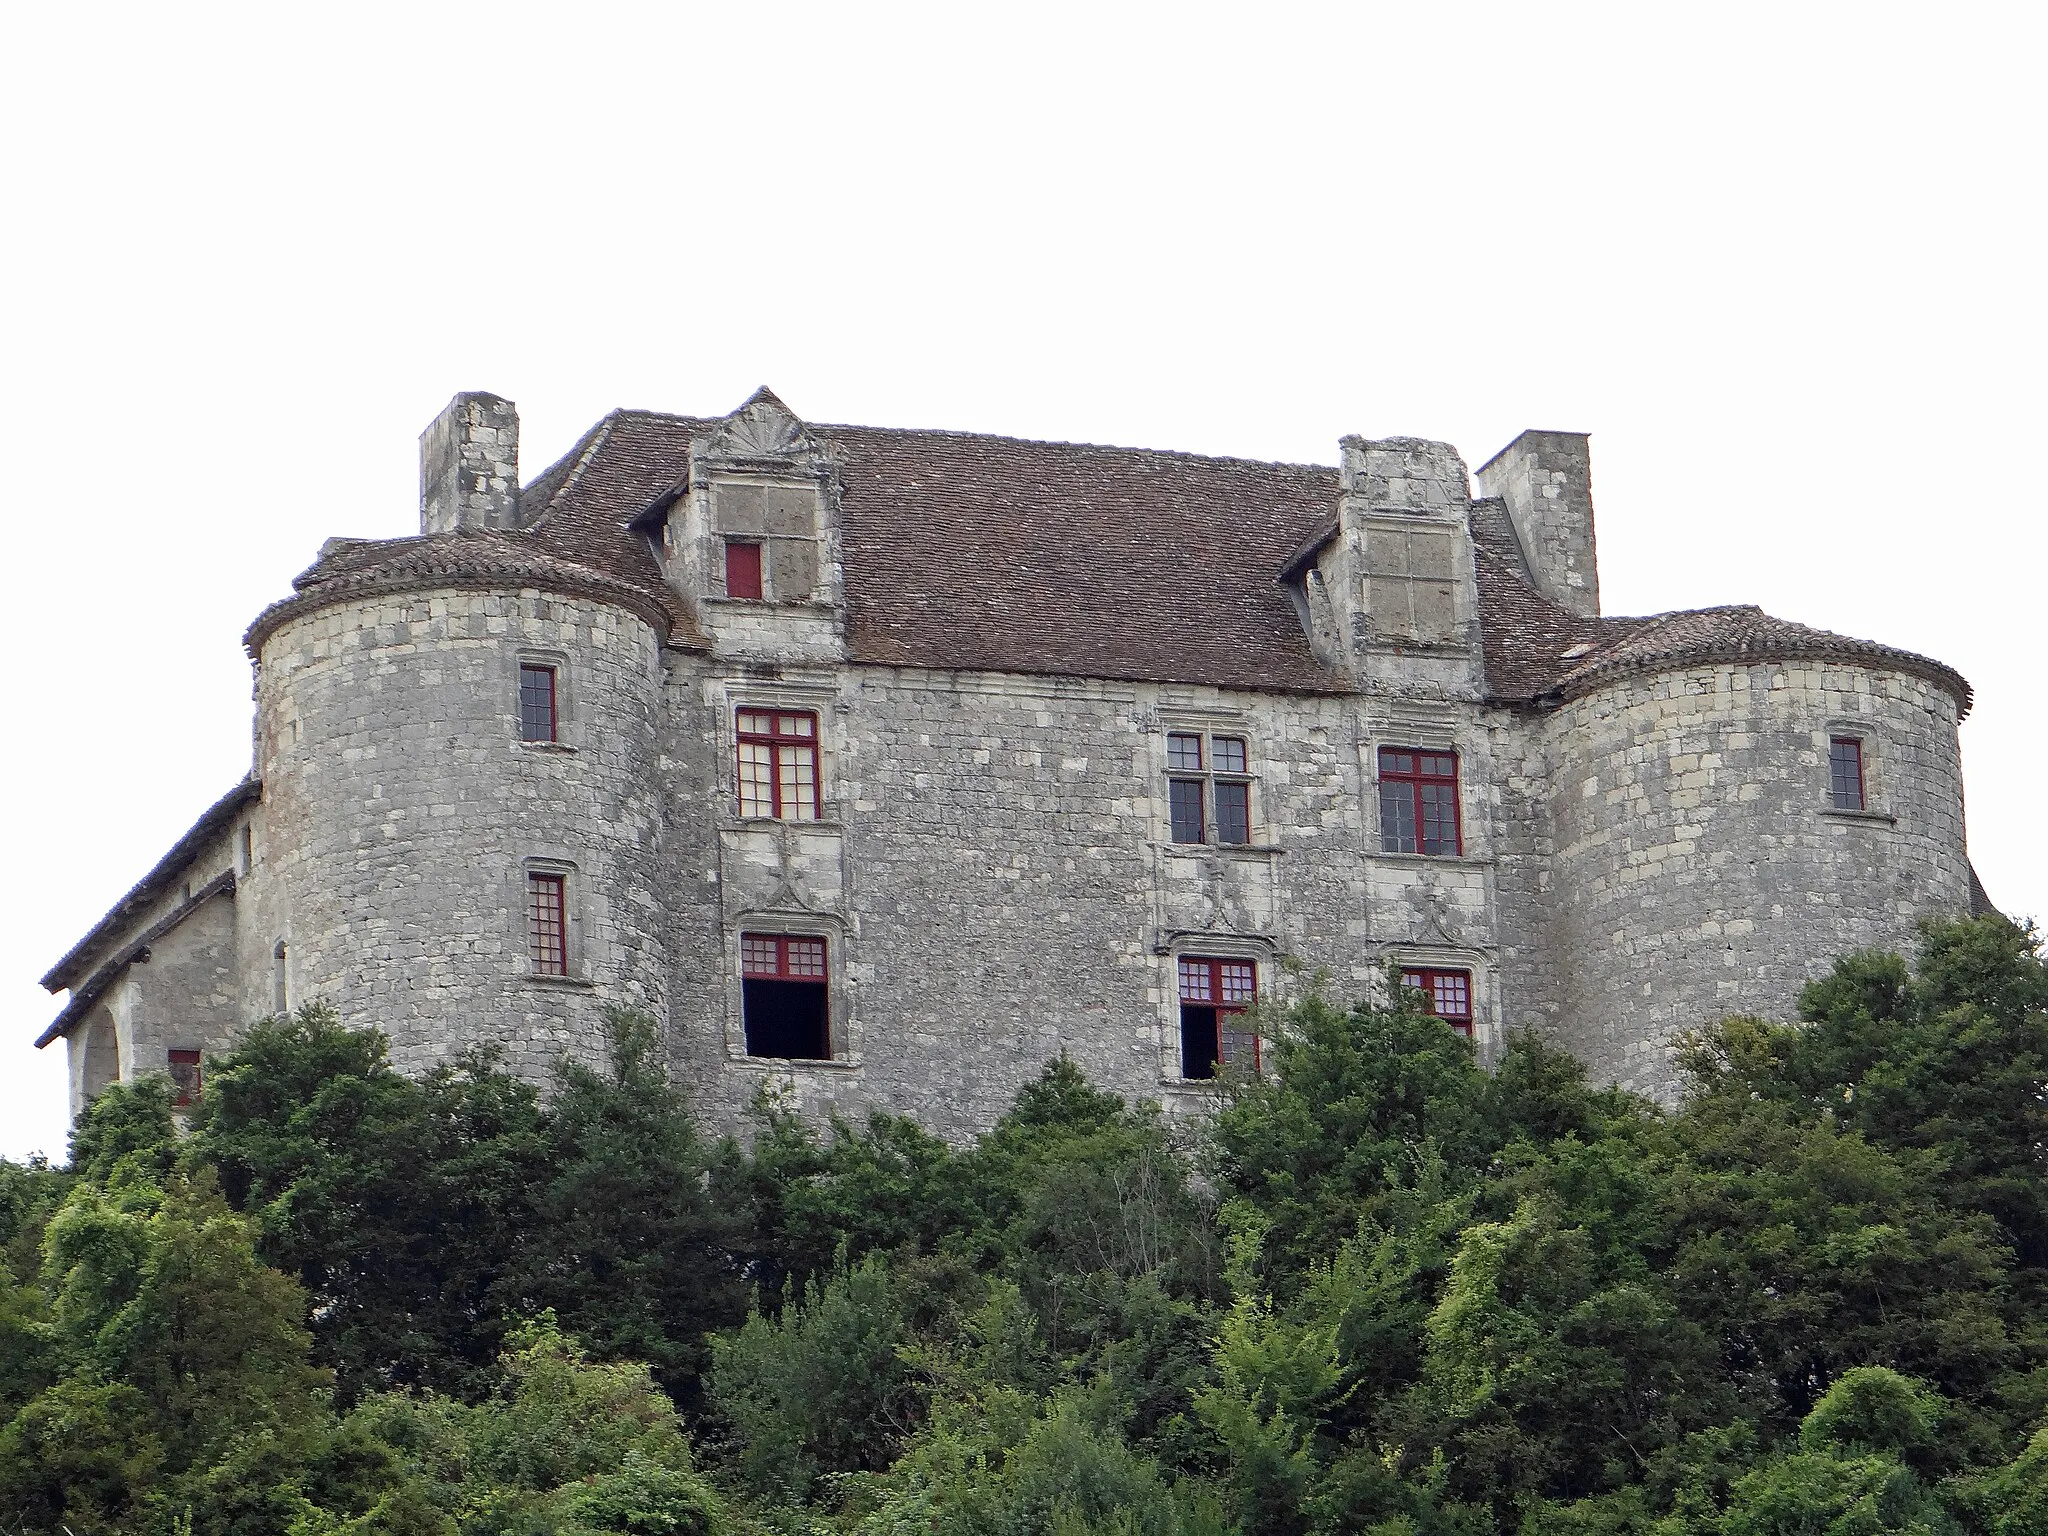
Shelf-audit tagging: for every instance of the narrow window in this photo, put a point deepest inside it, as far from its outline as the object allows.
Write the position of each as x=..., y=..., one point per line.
x=1447, y=994
x=742, y=569
x=248, y=848
x=547, y=929
x=536, y=702
x=1419, y=802
x=1845, y=772
x=1208, y=788
x=280, y=984
x=779, y=764
x=1214, y=995
x=185, y=1075
x=783, y=997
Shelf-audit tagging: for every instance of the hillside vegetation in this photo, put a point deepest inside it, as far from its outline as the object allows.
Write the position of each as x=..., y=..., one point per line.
x=1383, y=1292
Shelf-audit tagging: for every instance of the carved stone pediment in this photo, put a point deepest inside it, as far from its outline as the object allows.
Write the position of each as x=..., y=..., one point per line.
x=764, y=431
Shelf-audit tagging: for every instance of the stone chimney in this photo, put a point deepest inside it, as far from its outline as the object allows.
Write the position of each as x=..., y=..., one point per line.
x=469, y=466
x=1546, y=479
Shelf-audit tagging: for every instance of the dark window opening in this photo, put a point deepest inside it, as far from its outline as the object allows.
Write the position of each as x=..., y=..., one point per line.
x=185, y=1074
x=536, y=703
x=742, y=570
x=1186, y=802
x=1447, y=994
x=1845, y=772
x=784, y=1000
x=1233, y=813
x=778, y=751
x=547, y=928
x=1214, y=997
x=1419, y=802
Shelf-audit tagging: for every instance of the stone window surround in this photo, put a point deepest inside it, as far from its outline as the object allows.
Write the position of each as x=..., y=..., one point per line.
x=716, y=535
x=1204, y=946
x=1191, y=720
x=841, y=1030
x=1420, y=736
x=728, y=696
x=573, y=944
x=1876, y=804
x=568, y=730
x=1450, y=957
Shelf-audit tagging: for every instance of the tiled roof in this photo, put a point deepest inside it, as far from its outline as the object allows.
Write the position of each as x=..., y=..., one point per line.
x=351, y=567
x=1537, y=652
x=210, y=824
x=969, y=551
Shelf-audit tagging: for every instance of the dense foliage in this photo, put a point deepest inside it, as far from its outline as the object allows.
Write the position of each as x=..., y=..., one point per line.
x=1380, y=1291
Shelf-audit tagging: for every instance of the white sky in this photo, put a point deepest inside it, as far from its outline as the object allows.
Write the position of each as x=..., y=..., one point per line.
x=1782, y=261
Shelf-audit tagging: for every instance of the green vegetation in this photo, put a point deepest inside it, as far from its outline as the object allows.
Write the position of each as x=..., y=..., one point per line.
x=1383, y=1292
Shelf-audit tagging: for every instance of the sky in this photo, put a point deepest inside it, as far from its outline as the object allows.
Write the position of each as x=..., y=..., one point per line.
x=1782, y=261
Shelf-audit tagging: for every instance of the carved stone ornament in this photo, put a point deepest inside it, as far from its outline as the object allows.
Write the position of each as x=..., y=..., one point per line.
x=763, y=428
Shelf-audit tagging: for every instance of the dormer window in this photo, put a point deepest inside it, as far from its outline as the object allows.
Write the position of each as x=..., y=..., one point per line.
x=743, y=569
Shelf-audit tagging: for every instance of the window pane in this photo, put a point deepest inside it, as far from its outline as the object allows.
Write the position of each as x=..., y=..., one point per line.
x=797, y=725
x=1438, y=765
x=1439, y=818
x=757, y=954
x=1392, y=761
x=756, y=779
x=1233, y=813
x=1194, y=981
x=1397, y=818
x=1186, y=804
x=549, y=946
x=1184, y=753
x=806, y=957
x=1845, y=773
x=1240, y=1046
x=1240, y=982
x=753, y=724
x=1230, y=756
x=799, y=782
x=536, y=703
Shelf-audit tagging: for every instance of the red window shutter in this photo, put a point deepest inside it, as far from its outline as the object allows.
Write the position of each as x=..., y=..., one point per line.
x=742, y=569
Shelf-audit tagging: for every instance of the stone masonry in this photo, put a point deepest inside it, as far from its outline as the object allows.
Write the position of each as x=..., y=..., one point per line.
x=998, y=653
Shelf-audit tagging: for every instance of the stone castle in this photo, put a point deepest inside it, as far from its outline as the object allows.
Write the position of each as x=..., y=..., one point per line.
x=887, y=765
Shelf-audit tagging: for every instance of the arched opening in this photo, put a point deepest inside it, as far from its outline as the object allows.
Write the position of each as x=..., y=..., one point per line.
x=102, y=1048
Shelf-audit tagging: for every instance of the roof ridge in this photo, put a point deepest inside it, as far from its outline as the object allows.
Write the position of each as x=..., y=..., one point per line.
x=960, y=433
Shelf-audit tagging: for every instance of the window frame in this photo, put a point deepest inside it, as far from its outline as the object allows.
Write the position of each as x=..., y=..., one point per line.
x=1222, y=1007
x=1836, y=778
x=1416, y=780
x=1425, y=979
x=776, y=742
x=553, y=965
x=553, y=672
x=782, y=970
x=1205, y=778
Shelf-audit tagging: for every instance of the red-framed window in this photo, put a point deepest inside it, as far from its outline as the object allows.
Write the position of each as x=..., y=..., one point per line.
x=1419, y=802
x=1208, y=788
x=1215, y=995
x=547, y=926
x=1447, y=994
x=785, y=996
x=778, y=751
x=743, y=569
x=184, y=1066
x=536, y=701
x=1845, y=772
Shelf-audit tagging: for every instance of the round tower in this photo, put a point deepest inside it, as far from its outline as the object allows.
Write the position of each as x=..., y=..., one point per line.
x=1737, y=801
x=460, y=837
